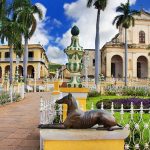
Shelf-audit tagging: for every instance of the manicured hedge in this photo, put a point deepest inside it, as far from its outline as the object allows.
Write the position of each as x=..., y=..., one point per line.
x=126, y=102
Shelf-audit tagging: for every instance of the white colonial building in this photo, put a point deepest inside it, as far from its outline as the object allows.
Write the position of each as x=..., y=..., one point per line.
x=112, y=53
x=113, y=61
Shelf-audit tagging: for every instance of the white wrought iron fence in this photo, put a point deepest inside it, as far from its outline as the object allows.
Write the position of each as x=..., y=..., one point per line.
x=136, y=120
x=50, y=112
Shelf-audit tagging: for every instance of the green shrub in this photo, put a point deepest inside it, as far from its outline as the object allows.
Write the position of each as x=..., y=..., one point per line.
x=94, y=94
x=112, y=93
x=16, y=97
x=57, y=118
x=5, y=98
x=128, y=91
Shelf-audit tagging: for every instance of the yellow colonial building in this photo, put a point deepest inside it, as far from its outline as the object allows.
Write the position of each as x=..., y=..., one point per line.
x=37, y=62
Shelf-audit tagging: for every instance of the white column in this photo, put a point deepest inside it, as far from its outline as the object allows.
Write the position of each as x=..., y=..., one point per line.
x=134, y=66
x=39, y=71
x=108, y=66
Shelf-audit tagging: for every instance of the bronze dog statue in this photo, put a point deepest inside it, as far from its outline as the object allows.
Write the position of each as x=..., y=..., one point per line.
x=78, y=119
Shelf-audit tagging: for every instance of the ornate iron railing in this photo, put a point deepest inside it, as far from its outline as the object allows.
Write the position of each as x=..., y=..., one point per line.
x=50, y=112
x=136, y=120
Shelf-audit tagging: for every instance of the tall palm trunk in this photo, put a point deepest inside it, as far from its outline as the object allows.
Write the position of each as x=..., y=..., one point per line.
x=11, y=64
x=126, y=58
x=25, y=60
x=97, y=50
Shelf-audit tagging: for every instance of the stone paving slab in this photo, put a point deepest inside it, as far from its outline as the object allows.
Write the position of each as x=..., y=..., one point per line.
x=19, y=122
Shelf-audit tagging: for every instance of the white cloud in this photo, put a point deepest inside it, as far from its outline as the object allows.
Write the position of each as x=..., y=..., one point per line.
x=85, y=19
x=41, y=35
x=56, y=55
x=57, y=22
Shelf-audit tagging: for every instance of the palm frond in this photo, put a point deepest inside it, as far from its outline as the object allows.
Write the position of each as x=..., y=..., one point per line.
x=19, y=4
x=38, y=11
x=126, y=18
x=89, y=3
x=115, y=19
x=100, y=4
x=120, y=21
x=119, y=9
x=33, y=27
x=25, y=16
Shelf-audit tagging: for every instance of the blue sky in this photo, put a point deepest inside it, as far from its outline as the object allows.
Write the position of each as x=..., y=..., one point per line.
x=55, y=10
x=60, y=15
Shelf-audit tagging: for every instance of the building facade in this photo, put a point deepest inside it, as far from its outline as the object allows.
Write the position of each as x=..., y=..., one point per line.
x=113, y=52
x=37, y=62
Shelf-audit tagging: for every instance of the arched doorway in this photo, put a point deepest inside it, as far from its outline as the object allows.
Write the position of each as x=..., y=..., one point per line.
x=20, y=70
x=117, y=66
x=7, y=69
x=142, y=67
x=30, y=71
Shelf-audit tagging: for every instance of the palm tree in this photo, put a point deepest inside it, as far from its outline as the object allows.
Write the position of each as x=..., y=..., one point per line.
x=2, y=8
x=18, y=47
x=2, y=11
x=25, y=14
x=10, y=31
x=99, y=5
x=125, y=19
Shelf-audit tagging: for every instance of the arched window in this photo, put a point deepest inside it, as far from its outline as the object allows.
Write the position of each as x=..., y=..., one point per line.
x=141, y=37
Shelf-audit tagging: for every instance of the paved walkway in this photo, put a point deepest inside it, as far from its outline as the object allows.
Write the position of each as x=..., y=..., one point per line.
x=18, y=123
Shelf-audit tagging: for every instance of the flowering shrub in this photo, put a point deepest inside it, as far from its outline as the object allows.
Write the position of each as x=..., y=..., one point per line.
x=128, y=91
x=126, y=102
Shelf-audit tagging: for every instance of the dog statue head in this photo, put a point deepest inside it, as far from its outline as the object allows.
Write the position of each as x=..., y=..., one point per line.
x=65, y=100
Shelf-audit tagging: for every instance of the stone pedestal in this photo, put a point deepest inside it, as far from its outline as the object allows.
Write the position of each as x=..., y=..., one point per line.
x=87, y=139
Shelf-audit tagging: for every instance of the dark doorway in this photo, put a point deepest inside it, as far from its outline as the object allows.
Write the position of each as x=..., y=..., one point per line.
x=138, y=69
x=142, y=67
x=113, y=71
